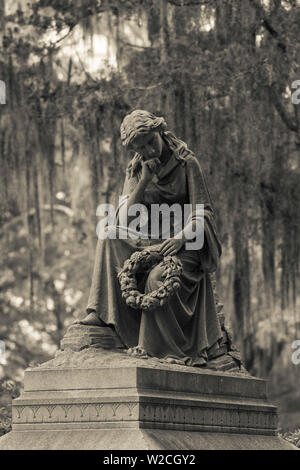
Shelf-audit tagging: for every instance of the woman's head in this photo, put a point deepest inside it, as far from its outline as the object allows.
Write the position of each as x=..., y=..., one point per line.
x=142, y=131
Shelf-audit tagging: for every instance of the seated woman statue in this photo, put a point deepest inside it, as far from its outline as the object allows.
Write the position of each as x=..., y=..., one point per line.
x=162, y=171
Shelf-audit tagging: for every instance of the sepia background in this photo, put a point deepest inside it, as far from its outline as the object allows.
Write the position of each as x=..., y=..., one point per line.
x=221, y=74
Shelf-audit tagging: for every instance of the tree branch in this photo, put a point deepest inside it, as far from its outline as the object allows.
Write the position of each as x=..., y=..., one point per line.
x=53, y=44
x=135, y=45
x=151, y=87
x=266, y=23
x=286, y=118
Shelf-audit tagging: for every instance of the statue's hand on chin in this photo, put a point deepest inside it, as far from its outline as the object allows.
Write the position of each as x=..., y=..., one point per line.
x=154, y=164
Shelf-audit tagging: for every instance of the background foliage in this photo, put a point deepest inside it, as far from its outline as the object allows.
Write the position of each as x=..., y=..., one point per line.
x=221, y=74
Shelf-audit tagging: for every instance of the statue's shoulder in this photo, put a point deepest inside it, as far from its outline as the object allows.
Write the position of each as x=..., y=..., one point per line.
x=193, y=166
x=191, y=159
x=185, y=155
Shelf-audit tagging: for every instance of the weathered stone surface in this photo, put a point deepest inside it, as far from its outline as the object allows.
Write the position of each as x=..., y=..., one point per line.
x=122, y=400
x=223, y=363
x=139, y=439
x=79, y=337
x=131, y=374
x=92, y=395
x=90, y=357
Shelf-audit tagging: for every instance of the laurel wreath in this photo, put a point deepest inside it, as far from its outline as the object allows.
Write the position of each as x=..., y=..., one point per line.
x=142, y=261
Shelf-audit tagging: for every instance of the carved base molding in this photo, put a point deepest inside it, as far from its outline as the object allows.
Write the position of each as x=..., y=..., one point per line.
x=145, y=415
x=131, y=399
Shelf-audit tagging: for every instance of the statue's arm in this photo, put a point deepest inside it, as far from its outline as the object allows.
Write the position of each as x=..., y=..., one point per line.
x=129, y=183
x=133, y=191
x=139, y=173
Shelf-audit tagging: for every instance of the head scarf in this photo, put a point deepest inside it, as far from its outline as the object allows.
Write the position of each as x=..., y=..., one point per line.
x=141, y=122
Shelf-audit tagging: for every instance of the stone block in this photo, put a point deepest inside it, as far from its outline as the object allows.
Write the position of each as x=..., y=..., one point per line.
x=124, y=403
x=79, y=337
x=139, y=439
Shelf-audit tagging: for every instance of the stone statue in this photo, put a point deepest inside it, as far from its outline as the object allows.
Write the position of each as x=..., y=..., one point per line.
x=123, y=379
x=185, y=328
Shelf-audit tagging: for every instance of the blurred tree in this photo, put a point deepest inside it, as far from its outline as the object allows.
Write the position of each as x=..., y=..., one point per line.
x=221, y=74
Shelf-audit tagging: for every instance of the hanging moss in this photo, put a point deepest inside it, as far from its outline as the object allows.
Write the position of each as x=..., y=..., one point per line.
x=212, y=87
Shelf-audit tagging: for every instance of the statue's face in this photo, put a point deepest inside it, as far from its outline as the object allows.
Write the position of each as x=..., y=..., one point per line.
x=148, y=145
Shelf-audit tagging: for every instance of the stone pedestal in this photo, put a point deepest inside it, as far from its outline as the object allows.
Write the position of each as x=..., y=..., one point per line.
x=113, y=402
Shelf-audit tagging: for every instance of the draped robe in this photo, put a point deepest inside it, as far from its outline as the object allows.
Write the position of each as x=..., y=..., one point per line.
x=186, y=327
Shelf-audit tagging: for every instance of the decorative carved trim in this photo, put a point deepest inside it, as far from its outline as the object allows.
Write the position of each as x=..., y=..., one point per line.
x=114, y=407
x=98, y=408
x=225, y=417
x=82, y=408
x=34, y=410
x=19, y=410
x=156, y=413
x=50, y=409
x=66, y=408
x=104, y=412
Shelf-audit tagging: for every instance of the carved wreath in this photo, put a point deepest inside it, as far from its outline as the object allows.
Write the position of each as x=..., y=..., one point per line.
x=142, y=261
